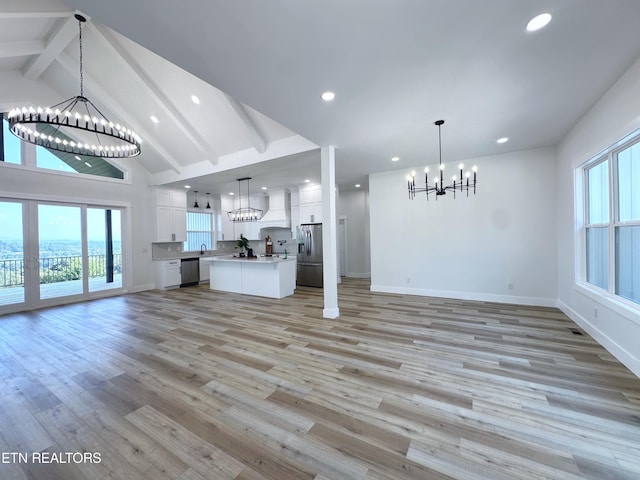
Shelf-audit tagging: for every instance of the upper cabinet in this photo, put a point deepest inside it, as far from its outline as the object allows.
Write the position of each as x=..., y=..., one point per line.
x=231, y=230
x=311, y=204
x=170, y=215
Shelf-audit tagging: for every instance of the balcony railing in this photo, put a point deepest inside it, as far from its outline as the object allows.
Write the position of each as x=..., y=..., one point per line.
x=57, y=269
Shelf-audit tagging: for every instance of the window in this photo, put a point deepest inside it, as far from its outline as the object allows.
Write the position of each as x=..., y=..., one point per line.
x=10, y=151
x=199, y=231
x=612, y=226
x=53, y=159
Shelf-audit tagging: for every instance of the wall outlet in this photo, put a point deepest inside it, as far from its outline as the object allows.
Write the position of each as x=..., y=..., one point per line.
x=509, y=286
x=408, y=279
x=595, y=313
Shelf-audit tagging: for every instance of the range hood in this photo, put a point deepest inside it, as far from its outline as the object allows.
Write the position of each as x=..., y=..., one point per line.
x=279, y=213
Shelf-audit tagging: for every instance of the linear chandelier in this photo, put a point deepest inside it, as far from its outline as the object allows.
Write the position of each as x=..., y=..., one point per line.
x=74, y=125
x=244, y=214
x=438, y=185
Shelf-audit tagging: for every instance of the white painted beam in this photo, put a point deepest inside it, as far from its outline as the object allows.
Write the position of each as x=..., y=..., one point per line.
x=94, y=90
x=21, y=49
x=66, y=32
x=254, y=135
x=181, y=122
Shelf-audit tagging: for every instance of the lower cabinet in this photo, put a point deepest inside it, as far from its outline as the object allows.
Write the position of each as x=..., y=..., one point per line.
x=204, y=270
x=168, y=273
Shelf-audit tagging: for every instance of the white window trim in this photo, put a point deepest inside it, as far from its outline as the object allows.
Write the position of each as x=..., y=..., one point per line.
x=608, y=298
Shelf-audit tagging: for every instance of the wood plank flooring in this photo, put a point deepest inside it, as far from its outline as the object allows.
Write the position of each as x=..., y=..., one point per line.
x=193, y=384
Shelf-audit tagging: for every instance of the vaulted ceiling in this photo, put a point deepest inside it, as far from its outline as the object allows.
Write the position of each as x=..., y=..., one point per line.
x=259, y=68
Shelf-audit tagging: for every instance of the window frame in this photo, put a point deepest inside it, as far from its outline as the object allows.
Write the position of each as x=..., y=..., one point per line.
x=618, y=303
x=29, y=161
x=212, y=232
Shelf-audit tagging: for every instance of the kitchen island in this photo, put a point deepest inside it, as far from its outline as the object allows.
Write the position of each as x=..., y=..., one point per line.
x=273, y=277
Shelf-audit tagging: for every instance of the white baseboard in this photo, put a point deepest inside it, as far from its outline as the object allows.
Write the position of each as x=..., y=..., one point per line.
x=330, y=312
x=631, y=361
x=481, y=297
x=358, y=275
x=142, y=288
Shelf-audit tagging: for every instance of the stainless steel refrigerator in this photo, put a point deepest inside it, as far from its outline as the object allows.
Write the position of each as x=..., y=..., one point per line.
x=310, y=255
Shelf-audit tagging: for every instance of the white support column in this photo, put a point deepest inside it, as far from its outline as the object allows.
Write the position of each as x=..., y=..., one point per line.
x=329, y=228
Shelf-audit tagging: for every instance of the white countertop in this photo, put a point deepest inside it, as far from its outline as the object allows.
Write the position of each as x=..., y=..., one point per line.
x=231, y=258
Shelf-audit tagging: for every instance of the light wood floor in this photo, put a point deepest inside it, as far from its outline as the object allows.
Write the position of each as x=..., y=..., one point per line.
x=193, y=384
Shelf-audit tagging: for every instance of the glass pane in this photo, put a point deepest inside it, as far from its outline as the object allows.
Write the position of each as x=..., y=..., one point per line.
x=104, y=239
x=60, y=246
x=598, y=256
x=11, y=254
x=199, y=228
x=598, y=188
x=11, y=144
x=629, y=176
x=628, y=263
x=46, y=159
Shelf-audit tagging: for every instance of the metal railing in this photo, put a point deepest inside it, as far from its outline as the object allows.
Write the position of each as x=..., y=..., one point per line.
x=57, y=269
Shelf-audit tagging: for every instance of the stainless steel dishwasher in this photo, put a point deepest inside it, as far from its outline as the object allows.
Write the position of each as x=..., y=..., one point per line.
x=189, y=272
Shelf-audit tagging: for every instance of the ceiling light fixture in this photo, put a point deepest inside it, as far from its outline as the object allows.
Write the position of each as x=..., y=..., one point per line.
x=438, y=185
x=195, y=99
x=74, y=125
x=154, y=119
x=328, y=96
x=538, y=22
x=357, y=185
x=195, y=204
x=395, y=159
x=502, y=140
x=244, y=214
x=208, y=204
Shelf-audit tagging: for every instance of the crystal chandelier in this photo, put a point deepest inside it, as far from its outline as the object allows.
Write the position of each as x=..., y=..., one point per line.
x=244, y=214
x=462, y=183
x=74, y=125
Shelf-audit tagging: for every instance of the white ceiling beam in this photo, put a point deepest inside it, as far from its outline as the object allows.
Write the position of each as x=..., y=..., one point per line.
x=181, y=122
x=106, y=99
x=67, y=31
x=21, y=49
x=251, y=129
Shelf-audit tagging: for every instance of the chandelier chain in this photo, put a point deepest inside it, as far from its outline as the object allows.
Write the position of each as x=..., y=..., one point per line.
x=81, y=59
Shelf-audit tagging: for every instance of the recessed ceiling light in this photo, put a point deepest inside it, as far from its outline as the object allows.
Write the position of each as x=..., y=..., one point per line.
x=187, y=186
x=538, y=22
x=395, y=159
x=264, y=188
x=230, y=193
x=357, y=185
x=154, y=119
x=306, y=180
x=87, y=164
x=195, y=99
x=328, y=96
x=78, y=158
x=503, y=140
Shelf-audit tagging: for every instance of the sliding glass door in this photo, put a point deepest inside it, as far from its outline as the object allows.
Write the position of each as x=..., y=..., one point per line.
x=60, y=262
x=51, y=253
x=12, y=254
x=104, y=242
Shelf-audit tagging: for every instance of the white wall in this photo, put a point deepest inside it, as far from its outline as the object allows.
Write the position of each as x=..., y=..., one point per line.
x=616, y=115
x=354, y=205
x=470, y=248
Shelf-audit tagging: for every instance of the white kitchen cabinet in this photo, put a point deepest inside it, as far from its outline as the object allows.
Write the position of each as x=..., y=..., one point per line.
x=311, y=213
x=232, y=231
x=311, y=204
x=226, y=232
x=170, y=215
x=168, y=273
x=204, y=269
